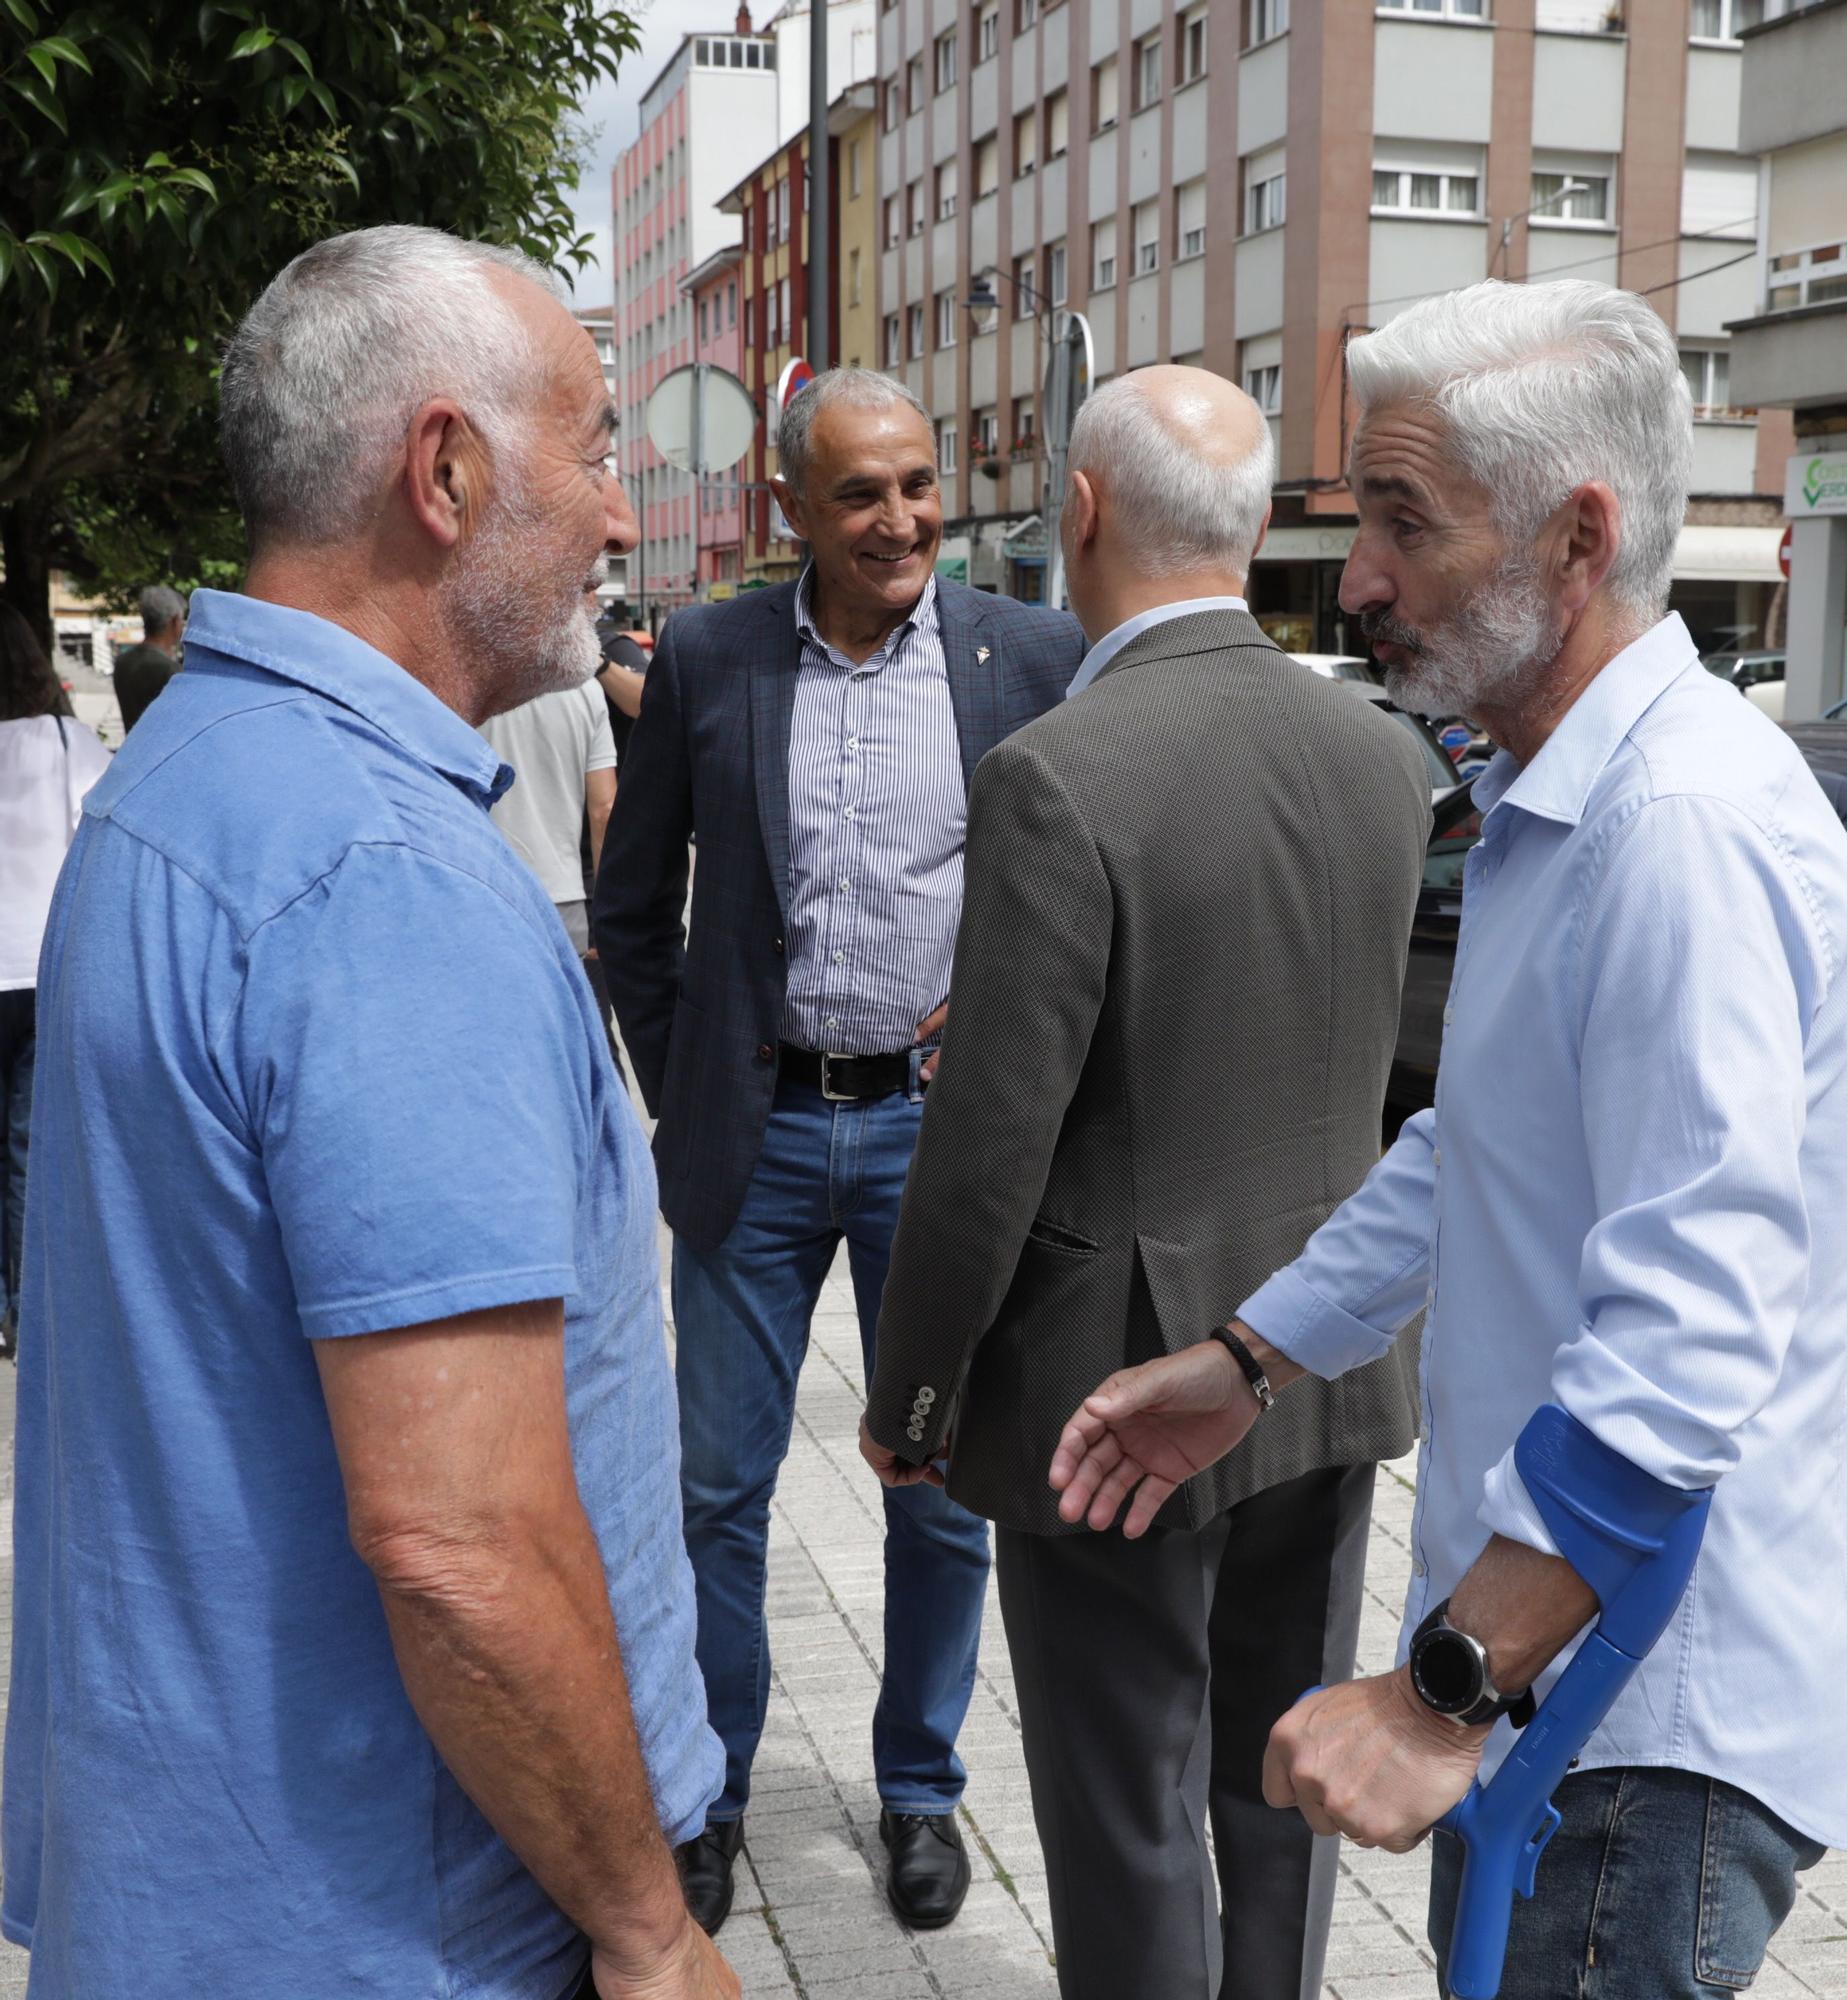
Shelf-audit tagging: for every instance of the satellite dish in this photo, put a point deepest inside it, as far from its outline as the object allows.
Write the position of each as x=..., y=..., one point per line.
x=701, y=419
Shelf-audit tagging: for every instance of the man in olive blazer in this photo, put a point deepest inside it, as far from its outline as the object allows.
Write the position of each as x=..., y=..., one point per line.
x=1172, y=1012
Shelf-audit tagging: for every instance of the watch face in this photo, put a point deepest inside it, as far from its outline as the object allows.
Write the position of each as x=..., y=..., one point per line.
x=1446, y=1672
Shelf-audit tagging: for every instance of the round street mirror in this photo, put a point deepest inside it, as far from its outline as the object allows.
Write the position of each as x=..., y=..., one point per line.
x=701, y=418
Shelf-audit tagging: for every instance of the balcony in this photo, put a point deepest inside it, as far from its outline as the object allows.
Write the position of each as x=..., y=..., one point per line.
x=1791, y=83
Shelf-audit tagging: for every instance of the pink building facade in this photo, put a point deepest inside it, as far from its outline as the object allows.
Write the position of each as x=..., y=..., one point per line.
x=712, y=291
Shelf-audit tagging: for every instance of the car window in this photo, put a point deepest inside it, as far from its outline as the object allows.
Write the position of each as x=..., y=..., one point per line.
x=1351, y=670
x=1458, y=828
x=1436, y=761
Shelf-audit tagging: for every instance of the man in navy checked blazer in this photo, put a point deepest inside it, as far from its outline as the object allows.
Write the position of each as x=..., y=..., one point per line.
x=818, y=738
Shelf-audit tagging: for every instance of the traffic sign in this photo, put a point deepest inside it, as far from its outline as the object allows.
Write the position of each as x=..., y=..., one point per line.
x=700, y=418
x=1782, y=550
x=795, y=377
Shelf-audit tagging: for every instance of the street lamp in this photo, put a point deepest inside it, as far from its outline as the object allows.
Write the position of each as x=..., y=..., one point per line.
x=1571, y=187
x=1067, y=383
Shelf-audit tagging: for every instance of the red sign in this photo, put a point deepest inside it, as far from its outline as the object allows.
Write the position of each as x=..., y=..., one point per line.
x=795, y=378
x=1782, y=550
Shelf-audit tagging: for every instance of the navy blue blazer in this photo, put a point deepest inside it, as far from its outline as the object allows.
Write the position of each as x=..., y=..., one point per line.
x=702, y=1014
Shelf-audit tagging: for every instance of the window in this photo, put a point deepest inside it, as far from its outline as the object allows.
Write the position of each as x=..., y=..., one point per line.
x=1435, y=10
x=1263, y=191
x=1722, y=20
x=1025, y=287
x=1025, y=15
x=788, y=318
x=731, y=303
x=914, y=84
x=1147, y=71
x=948, y=190
x=782, y=208
x=1192, y=45
x=1057, y=124
x=1264, y=386
x=893, y=105
x=1589, y=204
x=853, y=181
x=1412, y=191
x=1025, y=427
x=894, y=222
x=894, y=352
x=853, y=293
x=1190, y=220
x=1708, y=373
x=986, y=432
x=987, y=34
x=703, y=333
x=750, y=339
x=987, y=165
x=1264, y=20
x=914, y=331
x=1025, y=144
x=1718, y=196
x=1055, y=271
x=1102, y=255
x=915, y=198
x=946, y=61
x=1146, y=227
x=1814, y=276
x=946, y=318
x=1103, y=96
x=945, y=444
x=772, y=317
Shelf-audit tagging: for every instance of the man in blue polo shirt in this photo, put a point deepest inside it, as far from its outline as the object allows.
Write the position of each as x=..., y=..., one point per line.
x=353, y=1649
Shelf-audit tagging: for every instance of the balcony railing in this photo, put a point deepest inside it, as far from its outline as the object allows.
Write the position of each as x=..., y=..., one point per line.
x=1814, y=276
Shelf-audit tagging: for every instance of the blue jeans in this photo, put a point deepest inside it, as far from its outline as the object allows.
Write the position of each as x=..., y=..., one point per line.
x=741, y=1316
x=1658, y=1885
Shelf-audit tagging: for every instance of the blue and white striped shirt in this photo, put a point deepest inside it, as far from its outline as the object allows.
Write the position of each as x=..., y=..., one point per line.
x=878, y=811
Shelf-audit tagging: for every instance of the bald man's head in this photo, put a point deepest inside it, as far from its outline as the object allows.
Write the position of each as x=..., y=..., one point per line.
x=1180, y=463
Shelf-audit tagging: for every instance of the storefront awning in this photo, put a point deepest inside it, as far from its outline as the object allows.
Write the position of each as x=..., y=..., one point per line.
x=1728, y=555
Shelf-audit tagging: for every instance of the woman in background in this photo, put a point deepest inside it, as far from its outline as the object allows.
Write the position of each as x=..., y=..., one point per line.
x=48, y=761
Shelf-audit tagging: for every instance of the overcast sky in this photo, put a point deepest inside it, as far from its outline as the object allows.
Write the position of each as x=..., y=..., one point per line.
x=613, y=113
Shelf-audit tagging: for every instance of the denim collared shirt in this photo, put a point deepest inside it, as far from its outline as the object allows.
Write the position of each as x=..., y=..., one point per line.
x=1628, y=1201
x=878, y=813
x=316, y=1060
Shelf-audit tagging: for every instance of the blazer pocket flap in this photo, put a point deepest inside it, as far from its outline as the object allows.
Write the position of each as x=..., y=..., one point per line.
x=1178, y=1279
x=1049, y=1235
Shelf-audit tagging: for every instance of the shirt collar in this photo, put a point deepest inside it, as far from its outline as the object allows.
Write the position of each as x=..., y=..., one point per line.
x=315, y=653
x=1112, y=643
x=1557, y=784
x=922, y=613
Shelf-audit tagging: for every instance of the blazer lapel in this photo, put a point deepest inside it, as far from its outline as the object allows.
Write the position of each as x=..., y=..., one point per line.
x=974, y=670
x=773, y=670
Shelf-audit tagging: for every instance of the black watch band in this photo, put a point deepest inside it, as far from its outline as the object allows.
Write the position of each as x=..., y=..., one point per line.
x=1466, y=1659
x=1249, y=1365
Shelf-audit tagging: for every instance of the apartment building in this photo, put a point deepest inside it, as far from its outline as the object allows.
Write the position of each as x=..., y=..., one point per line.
x=1791, y=349
x=723, y=102
x=1246, y=184
x=718, y=339
x=599, y=323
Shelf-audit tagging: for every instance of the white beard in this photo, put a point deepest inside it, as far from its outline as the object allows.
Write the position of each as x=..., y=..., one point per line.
x=1490, y=653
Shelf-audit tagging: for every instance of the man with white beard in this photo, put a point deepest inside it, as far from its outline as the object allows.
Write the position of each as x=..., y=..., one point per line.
x=354, y=1636
x=1622, y=1203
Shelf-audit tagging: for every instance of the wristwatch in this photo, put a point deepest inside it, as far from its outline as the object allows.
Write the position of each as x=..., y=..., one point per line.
x=1449, y=1670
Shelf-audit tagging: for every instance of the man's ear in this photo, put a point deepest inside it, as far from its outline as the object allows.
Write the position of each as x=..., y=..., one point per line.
x=1081, y=508
x=445, y=472
x=792, y=510
x=1590, y=537
x=1263, y=528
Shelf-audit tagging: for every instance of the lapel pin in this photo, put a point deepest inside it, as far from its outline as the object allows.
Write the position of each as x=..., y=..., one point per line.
x=981, y=653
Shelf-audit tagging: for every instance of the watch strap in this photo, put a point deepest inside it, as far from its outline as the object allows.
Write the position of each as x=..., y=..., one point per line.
x=1249, y=1366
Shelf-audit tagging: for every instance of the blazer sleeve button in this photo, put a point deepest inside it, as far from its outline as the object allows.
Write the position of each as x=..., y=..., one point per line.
x=778, y=947
x=764, y=1052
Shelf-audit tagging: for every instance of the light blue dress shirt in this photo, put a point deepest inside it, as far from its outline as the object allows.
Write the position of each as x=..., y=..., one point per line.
x=1628, y=1200
x=316, y=1059
x=1112, y=642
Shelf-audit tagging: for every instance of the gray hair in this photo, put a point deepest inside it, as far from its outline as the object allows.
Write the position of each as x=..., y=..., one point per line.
x=1542, y=388
x=323, y=376
x=1171, y=511
x=851, y=388
x=159, y=607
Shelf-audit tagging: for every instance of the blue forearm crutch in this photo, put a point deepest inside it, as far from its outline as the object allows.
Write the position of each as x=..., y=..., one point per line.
x=1634, y=1541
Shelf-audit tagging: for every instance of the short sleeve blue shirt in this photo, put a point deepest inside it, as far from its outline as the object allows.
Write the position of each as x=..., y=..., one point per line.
x=315, y=1059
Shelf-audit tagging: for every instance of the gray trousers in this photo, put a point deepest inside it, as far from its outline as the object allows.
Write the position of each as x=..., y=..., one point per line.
x=1148, y=1675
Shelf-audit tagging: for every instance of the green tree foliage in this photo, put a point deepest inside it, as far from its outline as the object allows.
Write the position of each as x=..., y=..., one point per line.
x=160, y=162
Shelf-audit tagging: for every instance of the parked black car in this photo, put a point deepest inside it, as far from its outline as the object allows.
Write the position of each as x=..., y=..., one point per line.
x=1428, y=970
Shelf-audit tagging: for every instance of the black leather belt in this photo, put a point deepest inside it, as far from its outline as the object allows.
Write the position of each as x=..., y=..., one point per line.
x=845, y=1079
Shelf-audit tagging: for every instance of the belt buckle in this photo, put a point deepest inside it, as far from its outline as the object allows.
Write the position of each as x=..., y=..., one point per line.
x=828, y=1092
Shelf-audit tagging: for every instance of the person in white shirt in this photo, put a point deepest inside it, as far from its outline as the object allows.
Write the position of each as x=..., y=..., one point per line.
x=48, y=761
x=1624, y=1200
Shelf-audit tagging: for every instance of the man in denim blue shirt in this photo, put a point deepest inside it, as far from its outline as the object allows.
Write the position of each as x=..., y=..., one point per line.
x=1624, y=1200
x=353, y=1644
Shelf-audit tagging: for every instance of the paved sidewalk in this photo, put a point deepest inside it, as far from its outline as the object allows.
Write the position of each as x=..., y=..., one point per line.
x=811, y=1918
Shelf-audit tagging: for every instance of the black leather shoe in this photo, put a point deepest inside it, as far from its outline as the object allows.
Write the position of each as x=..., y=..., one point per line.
x=929, y=1875
x=705, y=1872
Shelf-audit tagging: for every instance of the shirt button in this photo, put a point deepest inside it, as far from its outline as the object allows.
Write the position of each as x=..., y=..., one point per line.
x=840, y=958
x=852, y=742
x=1436, y=1156
x=852, y=812
x=764, y=1052
x=1418, y=1566
x=1449, y=1014
x=846, y=882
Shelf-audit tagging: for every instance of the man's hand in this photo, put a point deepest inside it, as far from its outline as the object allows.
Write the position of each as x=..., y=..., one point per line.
x=1148, y=1430
x=1369, y=1760
x=931, y=1024
x=892, y=1470
x=690, y=1968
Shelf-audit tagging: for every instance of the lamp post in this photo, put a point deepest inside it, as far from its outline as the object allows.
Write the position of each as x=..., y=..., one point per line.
x=1067, y=383
x=1571, y=187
